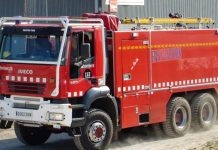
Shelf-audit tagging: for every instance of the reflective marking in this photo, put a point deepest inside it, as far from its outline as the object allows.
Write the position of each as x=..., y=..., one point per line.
x=7, y=78
x=138, y=87
x=129, y=88
x=25, y=79
x=188, y=82
x=159, y=85
x=171, y=84
x=203, y=80
x=192, y=81
x=163, y=84
x=75, y=94
x=69, y=94
x=211, y=79
x=38, y=80
x=155, y=85
x=199, y=80
x=133, y=88
x=143, y=87
x=18, y=78
x=124, y=89
x=196, y=81
x=184, y=82
x=176, y=83
x=207, y=79
x=168, y=84
x=81, y=93
x=31, y=79
x=44, y=80
x=13, y=78
x=119, y=89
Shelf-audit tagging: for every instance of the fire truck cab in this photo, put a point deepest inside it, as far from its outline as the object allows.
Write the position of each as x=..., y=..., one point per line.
x=86, y=77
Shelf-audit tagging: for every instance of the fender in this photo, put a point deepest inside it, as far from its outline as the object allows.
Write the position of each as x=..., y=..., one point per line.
x=96, y=93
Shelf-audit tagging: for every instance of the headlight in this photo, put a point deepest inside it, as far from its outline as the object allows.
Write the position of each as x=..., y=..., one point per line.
x=56, y=116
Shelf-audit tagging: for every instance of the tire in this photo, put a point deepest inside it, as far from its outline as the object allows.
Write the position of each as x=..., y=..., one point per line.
x=178, y=118
x=31, y=135
x=204, y=111
x=97, y=122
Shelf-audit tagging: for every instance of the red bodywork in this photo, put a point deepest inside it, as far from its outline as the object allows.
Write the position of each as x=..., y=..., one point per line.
x=167, y=61
x=145, y=69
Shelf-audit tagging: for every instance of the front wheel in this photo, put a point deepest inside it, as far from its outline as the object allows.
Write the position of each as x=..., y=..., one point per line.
x=97, y=132
x=31, y=135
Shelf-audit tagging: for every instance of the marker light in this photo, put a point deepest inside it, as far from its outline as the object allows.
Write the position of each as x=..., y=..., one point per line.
x=56, y=116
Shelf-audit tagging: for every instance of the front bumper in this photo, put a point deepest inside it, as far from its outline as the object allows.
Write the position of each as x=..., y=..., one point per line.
x=17, y=108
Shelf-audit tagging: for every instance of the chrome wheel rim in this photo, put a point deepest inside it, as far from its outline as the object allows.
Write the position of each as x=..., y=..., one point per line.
x=96, y=132
x=181, y=118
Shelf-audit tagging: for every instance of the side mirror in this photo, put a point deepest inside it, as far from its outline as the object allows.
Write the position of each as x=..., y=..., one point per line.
x=85, y=51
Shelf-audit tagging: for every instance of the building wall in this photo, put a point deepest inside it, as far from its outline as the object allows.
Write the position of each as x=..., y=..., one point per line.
x=162, y=8
x=12, y=7
x=152, y=8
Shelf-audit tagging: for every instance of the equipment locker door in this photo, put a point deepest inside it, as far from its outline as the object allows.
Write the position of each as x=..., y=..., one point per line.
x=135, y=69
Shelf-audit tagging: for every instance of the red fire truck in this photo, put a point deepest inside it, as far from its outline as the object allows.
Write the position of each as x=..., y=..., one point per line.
x=90, y=78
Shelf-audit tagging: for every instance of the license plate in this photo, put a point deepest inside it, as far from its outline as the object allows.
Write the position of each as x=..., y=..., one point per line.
x=23, y=114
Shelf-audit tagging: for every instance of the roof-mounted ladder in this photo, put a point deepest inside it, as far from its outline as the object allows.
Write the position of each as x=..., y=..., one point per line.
x=162, y=21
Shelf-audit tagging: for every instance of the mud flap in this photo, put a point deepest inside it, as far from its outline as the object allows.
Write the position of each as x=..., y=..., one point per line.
x=5, y=124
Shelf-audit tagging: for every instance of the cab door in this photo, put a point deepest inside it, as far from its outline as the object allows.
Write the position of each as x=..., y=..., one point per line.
x=135, y=69
x=84, y=61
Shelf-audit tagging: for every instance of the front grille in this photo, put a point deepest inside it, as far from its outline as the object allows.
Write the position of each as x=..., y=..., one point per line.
x=29, y=88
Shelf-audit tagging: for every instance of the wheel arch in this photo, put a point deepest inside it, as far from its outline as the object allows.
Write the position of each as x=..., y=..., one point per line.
x=100, y=98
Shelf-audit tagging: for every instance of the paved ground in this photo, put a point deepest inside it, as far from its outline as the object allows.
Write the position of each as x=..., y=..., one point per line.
x=129, y=140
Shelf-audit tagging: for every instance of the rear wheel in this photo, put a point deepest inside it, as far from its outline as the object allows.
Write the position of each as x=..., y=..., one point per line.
x=204, y=111
x=31, y=135
x=178, y=117
x=97, y=132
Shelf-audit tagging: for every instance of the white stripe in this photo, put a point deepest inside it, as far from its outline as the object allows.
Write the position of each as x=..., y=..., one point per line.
x=211, y=79
x=199, y=80
x=203, y=80
x=188, y=81
x=207, y=79
x=155, y=85
x=184, y=82
x=138, y=87
x=176, y=83
x=37, y=80
x=44, y=80
x=214, y=79
x=196, y=81
x=13, y=78
x=119, y=89
x=159, y=85
x=163, y=84
x=129, y=88
x=75, y=94
x=69, y=94
x=31, y=79
x=25, y=79
x=7, y=78
x=81, y=93
x=168, y=84
x=172, y=84
x=143, y=87
x=192, y=81
x=124, y=89
x=18, y=78
x=133, y=88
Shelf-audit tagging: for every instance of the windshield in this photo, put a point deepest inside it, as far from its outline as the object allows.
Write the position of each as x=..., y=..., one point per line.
x=30, y=47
